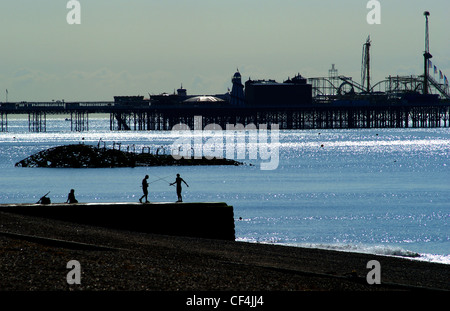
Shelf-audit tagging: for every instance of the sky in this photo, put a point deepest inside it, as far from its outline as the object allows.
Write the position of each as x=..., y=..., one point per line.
x=142, y=47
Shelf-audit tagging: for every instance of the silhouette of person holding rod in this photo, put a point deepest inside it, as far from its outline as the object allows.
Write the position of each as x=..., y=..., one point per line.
x=178, y=181
x=44, y=199
x=145, y=189
x=71, y=197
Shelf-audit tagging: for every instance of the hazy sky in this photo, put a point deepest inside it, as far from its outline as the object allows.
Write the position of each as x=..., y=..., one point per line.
x=136, y=47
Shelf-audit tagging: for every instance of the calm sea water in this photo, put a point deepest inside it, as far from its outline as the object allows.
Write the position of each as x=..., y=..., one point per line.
x=383, y=191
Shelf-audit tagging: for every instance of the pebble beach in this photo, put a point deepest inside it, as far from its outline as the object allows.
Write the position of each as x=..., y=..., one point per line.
x=35, y=252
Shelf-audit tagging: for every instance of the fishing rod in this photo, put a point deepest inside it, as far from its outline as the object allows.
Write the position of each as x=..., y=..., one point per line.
x=160, y=178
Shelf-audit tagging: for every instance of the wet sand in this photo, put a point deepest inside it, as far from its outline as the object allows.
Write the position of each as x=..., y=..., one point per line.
x=35, y=252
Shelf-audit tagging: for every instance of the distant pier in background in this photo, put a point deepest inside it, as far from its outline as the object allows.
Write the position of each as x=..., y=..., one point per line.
x=332, y=102
x=142, y=116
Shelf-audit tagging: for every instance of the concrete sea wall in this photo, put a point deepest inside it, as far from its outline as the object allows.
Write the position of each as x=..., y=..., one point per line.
x=212, y=220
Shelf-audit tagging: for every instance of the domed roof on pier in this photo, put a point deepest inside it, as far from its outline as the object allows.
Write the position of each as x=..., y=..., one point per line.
x=203, y=98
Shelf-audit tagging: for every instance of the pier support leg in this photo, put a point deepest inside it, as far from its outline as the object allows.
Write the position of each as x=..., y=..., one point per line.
x=4, y=122
x=121, y=118
x=79, y=121
x=37, y=121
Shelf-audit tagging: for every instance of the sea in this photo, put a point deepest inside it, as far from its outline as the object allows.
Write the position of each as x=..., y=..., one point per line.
x=377, y=191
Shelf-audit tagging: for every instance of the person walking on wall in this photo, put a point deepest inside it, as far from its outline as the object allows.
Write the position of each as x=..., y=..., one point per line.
x=178, y=181
x=145, y=189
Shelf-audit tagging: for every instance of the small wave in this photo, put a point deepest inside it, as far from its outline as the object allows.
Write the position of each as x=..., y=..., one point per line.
x=375, y=249
x=382, y=250
x=392, y=251
x=443, y=259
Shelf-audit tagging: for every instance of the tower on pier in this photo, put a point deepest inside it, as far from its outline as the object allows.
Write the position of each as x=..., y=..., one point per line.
x=237, y=91
x=426, y=55
x=365, y=67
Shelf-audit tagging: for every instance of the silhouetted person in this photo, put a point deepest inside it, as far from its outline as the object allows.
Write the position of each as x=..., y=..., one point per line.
x=144, y=189
x=178, y=181
x=71, y=197
x=44, y=199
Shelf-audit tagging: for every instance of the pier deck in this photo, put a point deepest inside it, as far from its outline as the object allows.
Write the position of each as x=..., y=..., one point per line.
x=316, y=116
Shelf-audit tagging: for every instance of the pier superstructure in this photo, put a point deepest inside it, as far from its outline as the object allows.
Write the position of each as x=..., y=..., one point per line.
x=334, y=101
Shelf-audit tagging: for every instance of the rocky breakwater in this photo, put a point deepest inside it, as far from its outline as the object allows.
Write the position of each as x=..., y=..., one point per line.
x=87, y=156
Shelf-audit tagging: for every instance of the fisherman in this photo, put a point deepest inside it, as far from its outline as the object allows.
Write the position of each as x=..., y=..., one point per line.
x=144, y=189
x=178, y=181
x=44, y=199
x=71, y=197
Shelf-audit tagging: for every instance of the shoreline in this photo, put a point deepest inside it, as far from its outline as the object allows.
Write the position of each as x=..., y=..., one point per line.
x=411, y=255
x=114, y=260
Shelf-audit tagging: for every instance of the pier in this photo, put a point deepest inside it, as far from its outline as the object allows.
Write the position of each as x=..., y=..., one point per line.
x=335, y=101
x=339, y=115
x=211, y=220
